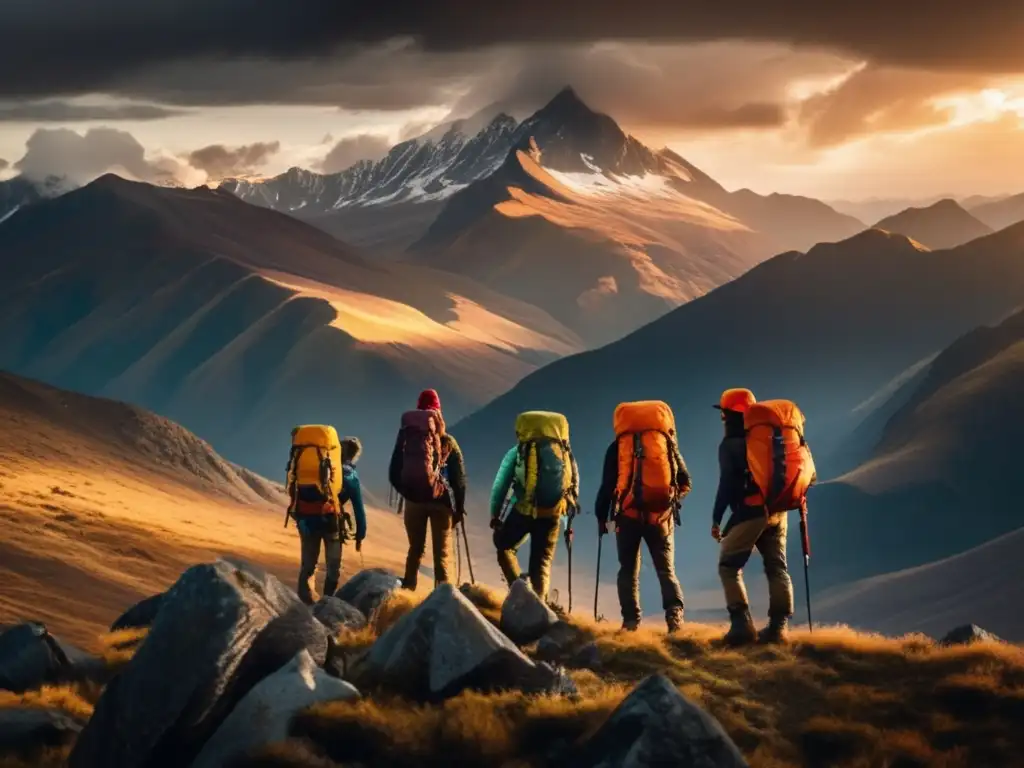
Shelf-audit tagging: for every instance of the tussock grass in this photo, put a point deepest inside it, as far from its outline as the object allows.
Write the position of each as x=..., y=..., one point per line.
x=835, y=698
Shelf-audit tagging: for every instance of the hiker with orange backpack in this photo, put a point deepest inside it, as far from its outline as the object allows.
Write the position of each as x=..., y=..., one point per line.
x=429, y=474
x=642, y=488
x=765, y=470
x=544, y=479
x=321, y=479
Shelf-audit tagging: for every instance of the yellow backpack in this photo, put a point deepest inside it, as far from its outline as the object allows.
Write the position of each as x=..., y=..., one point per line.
x=314, y=471
x=546, y=480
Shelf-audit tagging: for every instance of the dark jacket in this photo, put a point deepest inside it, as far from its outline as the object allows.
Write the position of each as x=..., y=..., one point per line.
x=733, y=483
x=610, y=479
x=351, y=492
x=454, y=471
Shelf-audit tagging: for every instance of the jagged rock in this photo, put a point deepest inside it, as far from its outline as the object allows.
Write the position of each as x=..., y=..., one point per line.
x=587, y=657
x=336, y=615
x=368, y=589
x=524, y=616
x=30, y=657
x=445, y=646
x=264, y=715
x=558, y=642
x=31, y=729
x=967, y=634
x=222, y=628
x=142, y=614
x=657, y=725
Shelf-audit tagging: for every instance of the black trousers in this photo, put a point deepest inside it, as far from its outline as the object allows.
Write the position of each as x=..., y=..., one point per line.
x=629, y=534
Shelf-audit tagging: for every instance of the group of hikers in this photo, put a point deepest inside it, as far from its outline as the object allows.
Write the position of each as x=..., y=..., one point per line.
x=765, y=464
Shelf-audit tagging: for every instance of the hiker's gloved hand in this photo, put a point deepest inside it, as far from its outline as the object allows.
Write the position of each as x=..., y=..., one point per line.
x=602, y=527
x=716, y=533
x=459, y=516
x=359, y=545
x=495, y=523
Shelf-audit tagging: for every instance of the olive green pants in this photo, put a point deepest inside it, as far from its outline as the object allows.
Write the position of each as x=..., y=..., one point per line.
x=313, y=537
x=768, y=536
x=543, y=535
x=417, y=517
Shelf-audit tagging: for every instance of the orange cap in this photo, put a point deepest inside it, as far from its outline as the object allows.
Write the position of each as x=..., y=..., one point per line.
x=738, y=400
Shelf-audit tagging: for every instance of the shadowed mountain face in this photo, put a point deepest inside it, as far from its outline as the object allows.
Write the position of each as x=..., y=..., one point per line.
x=1000, y=213
x=240, y=322
x=827, y=329
x=19, y=192
x=564, y=210
x=942, y=225
x=941, y=476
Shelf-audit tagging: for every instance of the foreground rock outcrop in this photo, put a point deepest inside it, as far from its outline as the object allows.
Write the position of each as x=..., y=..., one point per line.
x=336, y=615
x=30, y=729
x=524, y=616
x=445, y=646
x=264, y=715
x=368, y=589
x=30, y=657
x=656, y=725
x=140, y=615
x=222, y=628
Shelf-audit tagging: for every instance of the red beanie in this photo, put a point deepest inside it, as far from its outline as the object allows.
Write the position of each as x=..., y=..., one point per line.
x=429, y=401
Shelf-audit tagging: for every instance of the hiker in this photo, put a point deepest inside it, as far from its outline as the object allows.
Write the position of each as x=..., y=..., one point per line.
x=319, y=493
x=542, y=473
x=642, y=487
x=755, y=522
x=429, y=474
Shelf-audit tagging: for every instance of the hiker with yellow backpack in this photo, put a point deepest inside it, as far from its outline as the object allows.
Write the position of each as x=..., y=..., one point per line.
x=321, y=479
x=544, y=478
x=642, y=489
x=766, y=469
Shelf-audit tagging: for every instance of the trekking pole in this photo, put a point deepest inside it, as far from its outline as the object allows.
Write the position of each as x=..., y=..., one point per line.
x=568, y=546
x=469, y=557
x=458, y=558
x=805, y=540
x=597, y=583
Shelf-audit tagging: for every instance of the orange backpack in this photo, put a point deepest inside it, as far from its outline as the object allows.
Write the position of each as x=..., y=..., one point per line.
x=780, y=462
x=649, y=460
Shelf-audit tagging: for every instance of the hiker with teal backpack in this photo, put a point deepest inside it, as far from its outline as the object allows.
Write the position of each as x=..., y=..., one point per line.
x=542, y=474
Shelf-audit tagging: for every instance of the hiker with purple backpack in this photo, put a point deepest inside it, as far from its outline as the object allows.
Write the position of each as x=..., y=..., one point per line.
x=429, y=474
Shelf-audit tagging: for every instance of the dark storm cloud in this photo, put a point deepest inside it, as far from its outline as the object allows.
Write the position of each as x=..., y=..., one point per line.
x=91, y=48
x=352, y=149
x=67, y=112
x=221, y=162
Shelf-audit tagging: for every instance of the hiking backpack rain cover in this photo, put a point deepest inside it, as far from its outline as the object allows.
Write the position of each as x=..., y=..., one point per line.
x=649, y=460
x=423, y=456
x=314, y=475
x=778, y=458
x=546, y=478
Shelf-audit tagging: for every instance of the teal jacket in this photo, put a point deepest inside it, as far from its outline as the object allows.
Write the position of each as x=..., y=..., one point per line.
x=503, y=481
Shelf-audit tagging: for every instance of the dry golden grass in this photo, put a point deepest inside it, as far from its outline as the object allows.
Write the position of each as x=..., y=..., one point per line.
x=837, y=698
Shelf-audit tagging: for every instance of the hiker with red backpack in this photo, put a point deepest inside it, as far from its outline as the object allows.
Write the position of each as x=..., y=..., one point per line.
x=544, y=479
x=429, y=474
x=765, y=470
x=642, y=488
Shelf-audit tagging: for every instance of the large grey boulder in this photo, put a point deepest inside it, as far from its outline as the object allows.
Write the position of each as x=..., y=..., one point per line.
x=30, y=657
x=222, y=628
x=445, y=646
x=559, y=642
x=336, y=615
x=968, y=634
x=140, y=615
x=33, y=729
x=368, y=589
x=265, y=714
x=524, y=616
x=657, y=725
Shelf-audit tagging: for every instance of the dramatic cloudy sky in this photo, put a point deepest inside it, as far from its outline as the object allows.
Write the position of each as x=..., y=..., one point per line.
x=840, y=99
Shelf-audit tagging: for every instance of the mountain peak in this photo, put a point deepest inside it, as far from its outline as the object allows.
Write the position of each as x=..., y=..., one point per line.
x=566, y=102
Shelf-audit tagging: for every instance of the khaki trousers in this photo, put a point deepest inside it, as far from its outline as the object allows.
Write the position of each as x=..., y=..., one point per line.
x=768, y=536
x=417, y=517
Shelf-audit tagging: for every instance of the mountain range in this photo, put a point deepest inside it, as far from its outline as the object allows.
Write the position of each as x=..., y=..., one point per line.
x=945, y=224
x=240, y=322
x=828, y=328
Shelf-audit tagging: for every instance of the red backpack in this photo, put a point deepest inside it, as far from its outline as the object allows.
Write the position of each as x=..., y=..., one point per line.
x=424, y=454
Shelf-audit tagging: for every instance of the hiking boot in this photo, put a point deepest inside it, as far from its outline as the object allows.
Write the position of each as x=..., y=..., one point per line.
x=742, y=630
x=630, y=626
x=674, y=620
x=776, y=632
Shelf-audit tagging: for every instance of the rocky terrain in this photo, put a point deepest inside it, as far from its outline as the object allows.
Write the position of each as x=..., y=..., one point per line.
x=228, y=668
